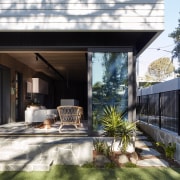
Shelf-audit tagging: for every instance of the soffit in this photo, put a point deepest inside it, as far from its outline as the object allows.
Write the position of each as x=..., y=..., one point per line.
x=66, y=51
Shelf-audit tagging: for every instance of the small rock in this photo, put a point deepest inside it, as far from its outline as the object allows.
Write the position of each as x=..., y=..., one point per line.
x=100, y=160
x=123, y=159
x=133, y=157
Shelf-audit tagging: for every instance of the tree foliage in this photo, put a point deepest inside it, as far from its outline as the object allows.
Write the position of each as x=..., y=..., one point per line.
x=114, y=74
x=176, y=51
x=161, y=69
x=176, y=36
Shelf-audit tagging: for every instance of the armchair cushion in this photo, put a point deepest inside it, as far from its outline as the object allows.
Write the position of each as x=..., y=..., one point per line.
x=39, y=115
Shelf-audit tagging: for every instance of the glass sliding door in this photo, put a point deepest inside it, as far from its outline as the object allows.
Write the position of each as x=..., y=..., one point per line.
x=109, y=83
x=5, y=110
x=18, y=87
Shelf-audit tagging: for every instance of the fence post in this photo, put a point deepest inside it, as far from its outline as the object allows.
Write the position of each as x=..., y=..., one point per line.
x=159, y=110
x=178, y=112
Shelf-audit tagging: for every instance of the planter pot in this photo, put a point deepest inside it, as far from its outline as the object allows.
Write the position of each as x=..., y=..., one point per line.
x=130, y=148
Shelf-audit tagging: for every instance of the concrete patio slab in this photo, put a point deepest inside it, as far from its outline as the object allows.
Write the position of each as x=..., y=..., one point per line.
x=21, y=128
x=26, y=165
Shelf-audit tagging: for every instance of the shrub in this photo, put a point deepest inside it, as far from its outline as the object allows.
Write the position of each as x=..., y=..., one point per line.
x=168, y=149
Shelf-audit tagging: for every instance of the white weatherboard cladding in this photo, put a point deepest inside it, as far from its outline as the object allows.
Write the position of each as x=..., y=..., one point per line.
x=80, y=15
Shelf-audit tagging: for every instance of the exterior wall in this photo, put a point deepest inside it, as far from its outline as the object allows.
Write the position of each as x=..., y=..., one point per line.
x=78, y=15
x=171, y=85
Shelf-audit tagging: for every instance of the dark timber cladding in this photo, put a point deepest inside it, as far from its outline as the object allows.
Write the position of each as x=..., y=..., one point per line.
x=50, y=40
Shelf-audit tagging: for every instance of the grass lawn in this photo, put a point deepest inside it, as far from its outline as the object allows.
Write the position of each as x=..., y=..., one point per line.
x=79, y=173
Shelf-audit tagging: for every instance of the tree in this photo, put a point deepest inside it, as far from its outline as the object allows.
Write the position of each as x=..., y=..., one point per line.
x=161, y=68
x=115, y=74
x=176, y=51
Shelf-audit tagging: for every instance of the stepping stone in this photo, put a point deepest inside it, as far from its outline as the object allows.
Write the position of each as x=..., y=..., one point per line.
x=152, y=163
x=148, y=152
x=139, y=133
x=141, y=138
x=140, y=144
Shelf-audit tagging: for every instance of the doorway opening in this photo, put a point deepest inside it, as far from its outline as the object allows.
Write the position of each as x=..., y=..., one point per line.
x=69, y=83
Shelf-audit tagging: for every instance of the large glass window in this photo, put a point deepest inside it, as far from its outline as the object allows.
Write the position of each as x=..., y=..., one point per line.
x=109, y=83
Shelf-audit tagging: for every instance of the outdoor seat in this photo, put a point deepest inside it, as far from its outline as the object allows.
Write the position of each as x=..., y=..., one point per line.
x=70, y=115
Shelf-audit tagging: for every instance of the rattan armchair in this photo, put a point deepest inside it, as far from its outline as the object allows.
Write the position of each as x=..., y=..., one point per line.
x=70, y=115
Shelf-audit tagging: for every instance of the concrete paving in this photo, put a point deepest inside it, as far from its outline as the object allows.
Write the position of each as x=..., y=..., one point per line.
x=38, y=153
x=149, y=152
x=142, y=143
x=21, y=128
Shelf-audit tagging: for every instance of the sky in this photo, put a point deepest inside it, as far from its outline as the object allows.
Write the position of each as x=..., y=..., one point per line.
x=172, y=14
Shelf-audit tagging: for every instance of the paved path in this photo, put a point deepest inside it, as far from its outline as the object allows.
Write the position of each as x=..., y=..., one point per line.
x=149, y=156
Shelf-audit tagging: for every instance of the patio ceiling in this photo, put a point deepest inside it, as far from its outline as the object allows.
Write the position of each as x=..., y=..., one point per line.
x=67, y=65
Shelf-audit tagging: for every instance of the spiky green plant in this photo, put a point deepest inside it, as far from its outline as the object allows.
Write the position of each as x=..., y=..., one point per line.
x=126, y=132
x=115, y=126
x=111, y=121
x=101, y=146
x=169, y=149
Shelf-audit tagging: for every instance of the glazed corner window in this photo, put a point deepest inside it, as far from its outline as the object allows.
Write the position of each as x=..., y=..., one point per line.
x=109, y=83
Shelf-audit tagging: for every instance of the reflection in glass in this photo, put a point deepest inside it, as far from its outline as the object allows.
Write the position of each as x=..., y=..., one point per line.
x=109, y=83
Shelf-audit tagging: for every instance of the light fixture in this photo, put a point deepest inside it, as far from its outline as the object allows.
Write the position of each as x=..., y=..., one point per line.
x=38, y=56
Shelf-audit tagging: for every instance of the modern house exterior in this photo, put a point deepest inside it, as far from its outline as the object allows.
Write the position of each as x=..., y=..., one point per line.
x=82, y=49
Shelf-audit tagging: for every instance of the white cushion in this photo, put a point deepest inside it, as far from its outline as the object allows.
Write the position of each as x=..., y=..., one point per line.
x=39, y=115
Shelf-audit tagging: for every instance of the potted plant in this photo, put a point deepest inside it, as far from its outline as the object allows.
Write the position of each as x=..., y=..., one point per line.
x=125, y=132
x=114, y=125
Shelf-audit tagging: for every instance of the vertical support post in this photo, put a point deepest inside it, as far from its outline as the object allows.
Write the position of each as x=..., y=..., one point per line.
x=147, y=112
x=131, y=87
x=159, y=110
x=90, y=121
x=178, y=112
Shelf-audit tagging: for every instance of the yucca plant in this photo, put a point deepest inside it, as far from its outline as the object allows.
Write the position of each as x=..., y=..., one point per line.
x=111, y=121
x=126, y=132
x=115, y=126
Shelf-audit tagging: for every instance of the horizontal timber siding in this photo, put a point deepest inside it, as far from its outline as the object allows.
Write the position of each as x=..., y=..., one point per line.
x=80, y=15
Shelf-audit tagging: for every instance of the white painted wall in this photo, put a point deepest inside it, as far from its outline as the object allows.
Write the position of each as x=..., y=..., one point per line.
x=170, y=85
x=81, y=15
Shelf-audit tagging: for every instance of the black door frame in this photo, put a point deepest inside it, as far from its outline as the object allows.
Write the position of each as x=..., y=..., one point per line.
x=131, y=83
